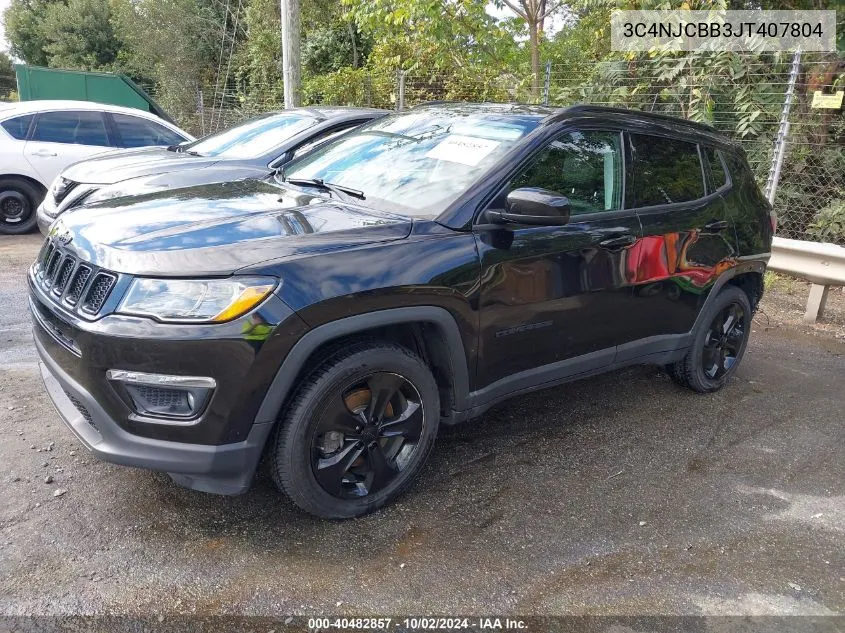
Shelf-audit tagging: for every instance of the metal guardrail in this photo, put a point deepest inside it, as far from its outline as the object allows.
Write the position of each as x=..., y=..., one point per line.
x=821, y=264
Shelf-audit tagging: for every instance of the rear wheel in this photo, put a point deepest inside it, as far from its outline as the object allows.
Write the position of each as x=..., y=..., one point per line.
x=718, y=345
x=18, y=202
x=358, y=431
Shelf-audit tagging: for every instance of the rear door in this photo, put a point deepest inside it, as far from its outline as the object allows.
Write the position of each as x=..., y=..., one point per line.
x=688, y=239
x=554, y=298
x=64, y=137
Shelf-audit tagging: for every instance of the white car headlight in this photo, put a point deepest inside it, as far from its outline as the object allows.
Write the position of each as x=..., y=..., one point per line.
x=195, y=300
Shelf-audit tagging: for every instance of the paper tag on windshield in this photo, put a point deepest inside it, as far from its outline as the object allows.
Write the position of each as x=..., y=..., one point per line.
x=467, y=150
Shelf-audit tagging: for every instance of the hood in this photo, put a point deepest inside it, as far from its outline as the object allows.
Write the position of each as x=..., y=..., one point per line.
x=222, y=172
x=111, y=167
x=217, y=229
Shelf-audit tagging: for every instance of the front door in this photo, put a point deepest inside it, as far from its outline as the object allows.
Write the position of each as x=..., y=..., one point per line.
x=64, y=137
x=553, y=298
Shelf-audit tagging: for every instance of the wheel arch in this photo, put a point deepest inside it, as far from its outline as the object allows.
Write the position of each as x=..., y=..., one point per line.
x=33, y=181
x=429, y=330
x=746, y=275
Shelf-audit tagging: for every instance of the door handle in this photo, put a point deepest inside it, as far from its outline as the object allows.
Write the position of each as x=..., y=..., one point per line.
x=44, y=153
x=716, y=225
x=620, y=241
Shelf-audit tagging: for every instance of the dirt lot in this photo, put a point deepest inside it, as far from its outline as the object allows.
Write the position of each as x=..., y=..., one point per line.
x=621, y=494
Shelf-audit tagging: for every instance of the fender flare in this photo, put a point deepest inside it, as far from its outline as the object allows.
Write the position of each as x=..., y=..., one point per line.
x=751, y=265
x=283, y=382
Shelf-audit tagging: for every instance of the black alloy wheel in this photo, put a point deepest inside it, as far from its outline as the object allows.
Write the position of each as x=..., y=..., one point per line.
x=723, y=341
x=357, y=431
x=367, y=435
x=718, y=343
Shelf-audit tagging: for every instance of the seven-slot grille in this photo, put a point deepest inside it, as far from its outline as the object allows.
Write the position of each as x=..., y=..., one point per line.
x=71, y=282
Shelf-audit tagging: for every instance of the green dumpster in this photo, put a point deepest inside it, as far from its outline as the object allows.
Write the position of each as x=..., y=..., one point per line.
x=36, y=82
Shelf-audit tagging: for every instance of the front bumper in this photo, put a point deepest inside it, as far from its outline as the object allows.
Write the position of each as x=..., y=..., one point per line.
x=221, y=469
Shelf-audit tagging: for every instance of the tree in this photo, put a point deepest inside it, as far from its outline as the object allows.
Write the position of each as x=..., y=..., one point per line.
x=534, y=12
x=23, y=21
x=176, y=44
x=8, y=80
x=81, y=35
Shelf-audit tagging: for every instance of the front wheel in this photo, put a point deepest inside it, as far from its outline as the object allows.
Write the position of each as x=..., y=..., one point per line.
x=718, y=345
x=358, y=431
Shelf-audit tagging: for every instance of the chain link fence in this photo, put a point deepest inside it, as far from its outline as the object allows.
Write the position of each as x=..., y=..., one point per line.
x=740, y=95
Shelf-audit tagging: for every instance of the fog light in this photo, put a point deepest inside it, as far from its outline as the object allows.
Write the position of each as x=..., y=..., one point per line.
x=162, y=395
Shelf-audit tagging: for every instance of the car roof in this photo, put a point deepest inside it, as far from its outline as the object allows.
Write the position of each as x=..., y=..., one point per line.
x=325, y=113
x=550, y=115
x=45, y=105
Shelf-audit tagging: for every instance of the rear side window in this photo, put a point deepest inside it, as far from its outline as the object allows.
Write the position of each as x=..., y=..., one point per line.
x=665, y=171
x=18, y=126
x=717, y=167
x=586, y=167
x=82, y=128
x=137, y=132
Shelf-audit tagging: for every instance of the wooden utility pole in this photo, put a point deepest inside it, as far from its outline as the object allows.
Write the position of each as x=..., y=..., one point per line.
x=291, y=66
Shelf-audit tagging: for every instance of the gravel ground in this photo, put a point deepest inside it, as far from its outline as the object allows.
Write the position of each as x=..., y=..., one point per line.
x=617, y=495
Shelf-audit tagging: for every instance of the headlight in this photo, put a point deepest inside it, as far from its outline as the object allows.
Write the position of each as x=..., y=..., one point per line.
x=195, y=300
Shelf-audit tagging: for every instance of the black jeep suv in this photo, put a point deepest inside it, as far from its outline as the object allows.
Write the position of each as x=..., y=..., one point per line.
x=410, y=274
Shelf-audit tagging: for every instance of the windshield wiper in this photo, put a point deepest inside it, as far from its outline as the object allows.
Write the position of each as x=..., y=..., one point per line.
x=328, y=186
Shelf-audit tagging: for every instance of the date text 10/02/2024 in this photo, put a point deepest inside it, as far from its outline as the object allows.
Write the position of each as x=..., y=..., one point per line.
x=417, y=624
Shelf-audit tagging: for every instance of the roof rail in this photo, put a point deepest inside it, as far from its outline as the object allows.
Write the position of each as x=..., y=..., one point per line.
x=657, y=116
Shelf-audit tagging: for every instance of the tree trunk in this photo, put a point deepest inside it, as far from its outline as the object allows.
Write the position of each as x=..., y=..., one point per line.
x=354, y=44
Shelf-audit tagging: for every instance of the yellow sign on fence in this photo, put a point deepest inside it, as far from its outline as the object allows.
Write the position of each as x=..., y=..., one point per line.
x=828, y=102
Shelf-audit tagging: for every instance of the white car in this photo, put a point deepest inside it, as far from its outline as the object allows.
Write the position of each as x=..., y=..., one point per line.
x=38, y=139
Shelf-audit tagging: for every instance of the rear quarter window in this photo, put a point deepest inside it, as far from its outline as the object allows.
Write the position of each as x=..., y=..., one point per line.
x=666, y=171
x=18, y=126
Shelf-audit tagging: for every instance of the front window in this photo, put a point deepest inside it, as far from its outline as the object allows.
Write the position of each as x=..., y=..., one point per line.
x=255, y=136
x=584, y=166
x=416, y=162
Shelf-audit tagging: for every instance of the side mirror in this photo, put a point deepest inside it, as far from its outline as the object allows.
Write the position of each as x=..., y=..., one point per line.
x=534, y=207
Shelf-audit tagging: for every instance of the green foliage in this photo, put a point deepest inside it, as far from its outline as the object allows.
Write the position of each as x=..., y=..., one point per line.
x=173, y=43
x=81, y=35
x=327, y=49
x=258, y=63
x=8, y=81
x=23, y=21
x=828, y=225
x=442, y=33
x=350, y=86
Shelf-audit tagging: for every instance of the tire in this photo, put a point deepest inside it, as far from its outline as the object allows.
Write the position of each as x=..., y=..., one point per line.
x=338, y=452
x=715, y=354
x=19, y=200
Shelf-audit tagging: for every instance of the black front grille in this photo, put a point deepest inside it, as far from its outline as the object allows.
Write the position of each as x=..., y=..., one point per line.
x=83, y=273
x=63, y=276
x=68, y=281
x=98, y=293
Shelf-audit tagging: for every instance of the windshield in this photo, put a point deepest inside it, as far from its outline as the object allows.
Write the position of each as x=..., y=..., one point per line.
x=418, y=162
x=253, y=137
